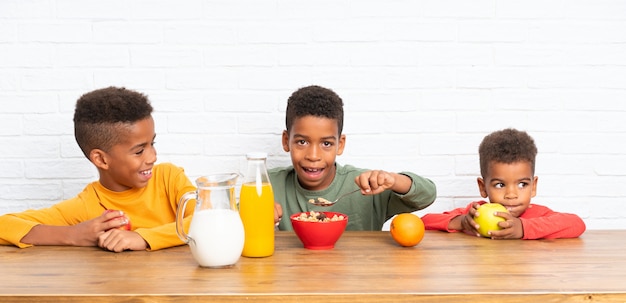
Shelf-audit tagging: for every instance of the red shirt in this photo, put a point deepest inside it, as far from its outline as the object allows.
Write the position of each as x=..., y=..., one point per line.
x=538, y=222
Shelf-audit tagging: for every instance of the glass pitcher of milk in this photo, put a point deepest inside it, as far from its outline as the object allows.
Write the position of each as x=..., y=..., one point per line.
x=216, y=233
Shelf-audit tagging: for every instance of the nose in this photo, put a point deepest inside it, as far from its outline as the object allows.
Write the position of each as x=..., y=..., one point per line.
x=313, y=152
x=511, y=192
x=151, y=155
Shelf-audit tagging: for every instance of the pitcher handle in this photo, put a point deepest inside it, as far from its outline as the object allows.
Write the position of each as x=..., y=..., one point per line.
x=180, y=215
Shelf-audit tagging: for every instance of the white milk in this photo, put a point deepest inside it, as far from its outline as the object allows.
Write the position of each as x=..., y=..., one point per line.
x=216, y=237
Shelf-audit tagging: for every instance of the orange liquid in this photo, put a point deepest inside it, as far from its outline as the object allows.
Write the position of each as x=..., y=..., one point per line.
x=257, y=215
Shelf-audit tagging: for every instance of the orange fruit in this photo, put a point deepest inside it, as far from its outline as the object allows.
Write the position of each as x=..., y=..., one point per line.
x=407, y=229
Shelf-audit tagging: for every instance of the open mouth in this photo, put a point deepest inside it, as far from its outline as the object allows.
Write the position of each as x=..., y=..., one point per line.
x=312, y=172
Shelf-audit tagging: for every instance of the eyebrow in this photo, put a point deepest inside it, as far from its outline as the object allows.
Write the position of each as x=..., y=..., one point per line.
x=141, y=145
x=302, y=137
x=518, y=180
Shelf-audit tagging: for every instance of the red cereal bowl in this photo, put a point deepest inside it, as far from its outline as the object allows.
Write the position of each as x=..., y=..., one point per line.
x=318, y=234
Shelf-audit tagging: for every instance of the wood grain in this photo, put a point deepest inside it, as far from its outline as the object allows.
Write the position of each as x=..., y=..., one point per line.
x=363, y=267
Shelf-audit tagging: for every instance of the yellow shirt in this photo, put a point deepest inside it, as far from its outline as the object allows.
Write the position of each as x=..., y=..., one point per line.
x=151, y=209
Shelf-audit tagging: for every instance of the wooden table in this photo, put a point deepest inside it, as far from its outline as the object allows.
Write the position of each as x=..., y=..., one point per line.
x=363, y=267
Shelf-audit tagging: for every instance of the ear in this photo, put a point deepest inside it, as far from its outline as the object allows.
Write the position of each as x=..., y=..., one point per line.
x=534, y=191
x=481, y=187
x=99, y=158
x=285, y=141
x=341, y=145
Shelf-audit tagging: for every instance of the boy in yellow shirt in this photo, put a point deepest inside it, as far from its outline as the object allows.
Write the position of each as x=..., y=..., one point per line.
x=115, y=130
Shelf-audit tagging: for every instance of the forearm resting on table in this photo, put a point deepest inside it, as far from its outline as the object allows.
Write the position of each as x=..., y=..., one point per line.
x=455, y=223
x=50, y=235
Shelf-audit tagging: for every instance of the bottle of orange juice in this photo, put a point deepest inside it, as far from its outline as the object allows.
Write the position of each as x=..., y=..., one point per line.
x=256, y=208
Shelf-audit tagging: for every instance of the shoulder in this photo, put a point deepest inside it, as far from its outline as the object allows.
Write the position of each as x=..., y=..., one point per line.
x=167, y=172
x=535, y=210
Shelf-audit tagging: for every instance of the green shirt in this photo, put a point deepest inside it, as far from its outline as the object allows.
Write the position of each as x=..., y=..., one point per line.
x=364, y=212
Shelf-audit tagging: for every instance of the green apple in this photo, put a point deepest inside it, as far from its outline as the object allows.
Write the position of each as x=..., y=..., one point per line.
x=486, y=220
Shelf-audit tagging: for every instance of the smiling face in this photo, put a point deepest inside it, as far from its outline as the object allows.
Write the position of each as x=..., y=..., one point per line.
x=510, y=184
x=128, y=164
x=314, y=143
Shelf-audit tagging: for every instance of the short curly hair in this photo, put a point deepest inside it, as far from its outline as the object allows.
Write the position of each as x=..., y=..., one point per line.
x=507, y=146
x=102, y=115
x=314, y=101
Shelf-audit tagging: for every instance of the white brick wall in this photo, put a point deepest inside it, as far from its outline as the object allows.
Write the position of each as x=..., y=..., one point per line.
x=423, y=81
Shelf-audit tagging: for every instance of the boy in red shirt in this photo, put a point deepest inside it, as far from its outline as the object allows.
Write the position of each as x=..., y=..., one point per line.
x=507, y=166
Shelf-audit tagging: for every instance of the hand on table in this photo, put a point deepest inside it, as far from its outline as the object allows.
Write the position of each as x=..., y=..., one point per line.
x=511, y=228
x=119, y=240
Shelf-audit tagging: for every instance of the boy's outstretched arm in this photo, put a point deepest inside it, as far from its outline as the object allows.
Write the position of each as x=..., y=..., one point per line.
x=376, y=181
x=82, y=234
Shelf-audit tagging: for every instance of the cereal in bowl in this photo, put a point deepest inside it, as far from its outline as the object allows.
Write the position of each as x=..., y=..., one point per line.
x=314, y=216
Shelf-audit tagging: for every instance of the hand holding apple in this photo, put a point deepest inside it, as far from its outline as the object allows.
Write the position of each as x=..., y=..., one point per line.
x=126, y=226
x=486, y=219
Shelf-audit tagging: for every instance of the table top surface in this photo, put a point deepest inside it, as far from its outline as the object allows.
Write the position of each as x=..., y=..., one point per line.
x=368, y=266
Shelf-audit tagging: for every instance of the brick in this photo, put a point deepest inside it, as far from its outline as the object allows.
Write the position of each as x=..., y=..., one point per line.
x=13, y=169
x=9, y=82
x=490, y=31
x=589, y=9
x=420, y=30
x=68, y=9
x=202, y=124
x=57, y=80
x=236, y=55
x=30, y=190
x=48, y=124
x=491, y=78
x=288, y=78
x=347, y=30
x=189, y=79
x=69, y=147
x=458, y=8
x=187, y=10
x=8, y=32
x=10, y=125
x=148, y=57
x=315, y=54
x=92, y=56
x=63, y=32
x=243, y=101
x=529, y=9
x=25, y=147
x=260, y=123
x=27, y=9
x=25, y=56
x=31, y=103
x=206, y=33
x=141, y=80
x=129, y=33
x=55, y=169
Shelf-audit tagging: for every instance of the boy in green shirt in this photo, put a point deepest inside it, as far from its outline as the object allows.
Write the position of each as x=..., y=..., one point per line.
x=314, y=122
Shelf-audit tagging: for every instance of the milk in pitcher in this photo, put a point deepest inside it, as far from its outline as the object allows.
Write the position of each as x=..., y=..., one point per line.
x=222, y=237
